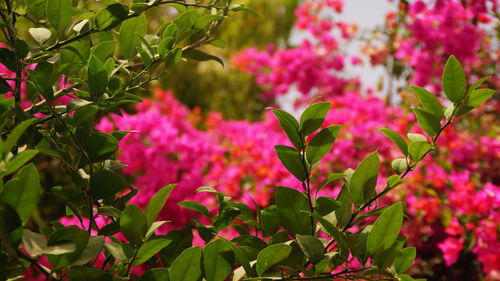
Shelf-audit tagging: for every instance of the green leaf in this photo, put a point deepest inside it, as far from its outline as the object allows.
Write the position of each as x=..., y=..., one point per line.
x=321, y=144
x=333, y=231
x=245, y=9
x=100, y=146
x=9, y=225
x=149, y=249
x=23, y=192
x=128, y=38
x=80, y=239
x=42, y=84
x=8, y=58
x=405, y=259
x=416, y=137
x=4, y=86
x=429, y=122
x=399, y=165
x=291, y=203
x=182, y=239
x=475, y=99
x=21, y=48
x=105, y=183
x=203, y=21
x=270, y=256
x=396, y=139
x=454, y=80
x=173, y=57
x=326, y=205
x=187, y=267
x=191, y=205
x=313, y=117
x=111, y=16
x=35, y=245
x=290, y=158
x=171, y=31
x=156, y=274
x=331, y=178
x=155, y=205
x=290, y=126
x=250, y=241
x=241, y=257
x=394, y=181
x=40, y=34
x=104, y=50
x=201, y=56
x=218, y=260
x=133, y=224
x=429, y=101
x=385, y=229
x=418, y=150
x=165, y=45
x=84, y=113
x=270, y=221
x=364, y=179
x=93, y=248
x=312, y=247
x=186, y=20
x=18, y=161
x=343, y=214
x=97, y=77
x=59, y=14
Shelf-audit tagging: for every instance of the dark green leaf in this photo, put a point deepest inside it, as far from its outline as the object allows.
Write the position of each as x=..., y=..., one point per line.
x=149, y=249
x=59, y=14
x=290, y=158
x=312, y=247
x=418, y=150
x=218, y=260
x=405, y=259
x=364, y=179
x=187, y=267
x=128, y=37
x=181, y=240
x=4, y=86
x=333, y=231
x=42, y=85
x=270, y=256
x=111, y=16
x=84, y=113
x=97, y=77
x=385, y=229
x=78, y=236
x=331, y=178
x=429, y=122
x=100, y=146
x=94, y=247
x=241, y=257
x=429, y=101
x=454, y=80
x=133, y=224
x=290, y=126
x=321, y=144
x=9, y=225
x=23, y=192
x=201, y=56
x=156, y=274
x=313, y=117
x=155, y=205
x=326, y=205
x=8, y=59
x=191, y=205
x=270, y=221
x=396, y=139
x=21, y=48
x=35, y=245
x=291, y=203
x=105, y=183
x=250, y=241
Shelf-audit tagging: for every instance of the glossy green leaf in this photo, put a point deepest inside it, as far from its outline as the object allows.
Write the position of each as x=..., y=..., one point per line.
x=429, y=122
x=201, y=56
x=396, y=139
x=187, y=267
x=111, y=16
x=218, y=260
x=290, y=126
x=291, y=203
x=429, y=101
x=321, y=144
x=364, y=179
x=149, y=249
x=385, y=230
x=271, y=256
x=454, y=81
x=97, y=77
x=399, y=165
x=18, y=161
x=128, y=38
x=344, y=213
x=171, y=31
x=312, y=247
x=418, y=150
x=23, y=192
x=133, y=224
x=291, y=159
x=313, y=117
x=155, y=205
x=191, y=205
x=35, y=245
x=405, y=259
x=105, y=183
x=59, y=14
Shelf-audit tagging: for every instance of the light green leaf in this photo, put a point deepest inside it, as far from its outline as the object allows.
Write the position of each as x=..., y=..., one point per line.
x=416, y=137
x=364, y=179
x=292, y=161
x=405, y=259
x=93, y=248
x=418, y=150
x=291, y=203
x=396, y=139
x=386, y=228
x=104, y=50
x=40, y=34
x=187, y=267
x=454, y=81
x=270, y=256
x=429, y=101
x=59, y=14
x=18, y=161
x=201, y=56
x=399, y=165
x=128, y=38
x=218, y=260
x=429, y=122
x=133, y=224
x=313, y=117
x=23, y=192
x=149, y=249
x=191, y=205
x=475, y=99
x=111, y=16
x=116, y=251
x=97, y=77
x=321, y=144
x=312, y=247
x=42, y=85
x=157, y=202
x=203, y=21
